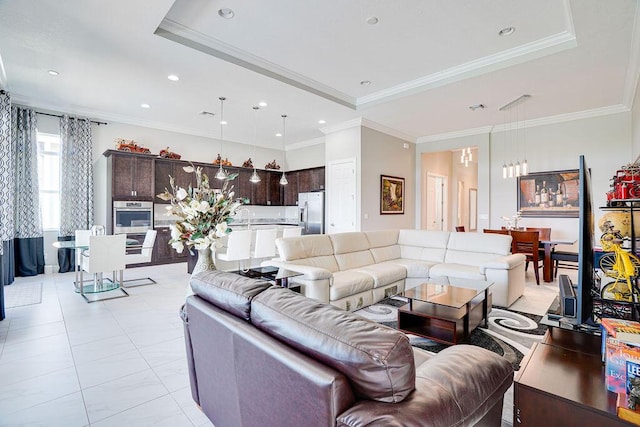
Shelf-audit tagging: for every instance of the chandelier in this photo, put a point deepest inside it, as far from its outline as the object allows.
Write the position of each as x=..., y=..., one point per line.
x=515, y=138
x=221, y=174
x=283, y=178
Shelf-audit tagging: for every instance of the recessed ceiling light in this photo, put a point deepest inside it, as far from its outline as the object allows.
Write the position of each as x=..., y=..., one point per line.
x=223, y=122
x=322, y=122
x=477, y=107
x=226, y=13
x=53, y=72
x=278, y=134
x=372, y=20
x=145, y=105
x=262, y=104
x=173, y=77
x=365, y=82
x=507, y=31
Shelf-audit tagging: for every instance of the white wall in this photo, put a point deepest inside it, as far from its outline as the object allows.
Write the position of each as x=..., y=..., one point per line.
x=311, y=156
x=384, y=154
x=340, y=145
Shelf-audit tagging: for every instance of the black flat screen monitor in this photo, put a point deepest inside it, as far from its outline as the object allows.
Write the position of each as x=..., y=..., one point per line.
x=585, y=287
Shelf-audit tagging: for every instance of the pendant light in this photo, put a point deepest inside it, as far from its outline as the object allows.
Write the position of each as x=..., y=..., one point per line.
x=221, y=174
x=255, y=178
x=283, y=178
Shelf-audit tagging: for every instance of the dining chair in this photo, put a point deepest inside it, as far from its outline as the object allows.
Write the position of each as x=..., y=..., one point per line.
x=291, y=232
x=265, y=245
x=105, y=254
x=527, y=243
x=81, y=240
x=460, y=228
x=238, y=247
x=146, y=251
x=495, y=231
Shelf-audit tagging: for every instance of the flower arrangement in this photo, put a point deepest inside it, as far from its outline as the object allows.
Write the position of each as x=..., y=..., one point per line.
x=205, y=213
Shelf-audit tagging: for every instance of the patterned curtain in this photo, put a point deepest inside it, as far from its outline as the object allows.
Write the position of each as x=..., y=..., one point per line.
x=76, y=183
x=7, y=272
x=28, y=241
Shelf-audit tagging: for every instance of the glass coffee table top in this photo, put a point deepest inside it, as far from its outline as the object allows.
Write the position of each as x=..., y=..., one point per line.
x=449, y=292
x=279, y=275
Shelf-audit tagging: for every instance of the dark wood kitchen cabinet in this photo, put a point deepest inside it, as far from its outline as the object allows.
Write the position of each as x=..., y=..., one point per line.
x=132, y=175
x=290, y=191
x=163, y=253
x=310, y=180
x=165, y=168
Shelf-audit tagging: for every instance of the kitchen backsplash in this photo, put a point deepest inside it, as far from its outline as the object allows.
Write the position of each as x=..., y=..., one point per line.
x=255, y=214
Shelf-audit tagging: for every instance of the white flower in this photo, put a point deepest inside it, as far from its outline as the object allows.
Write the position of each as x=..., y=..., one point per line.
x=181, y=194
x=188, y=169
x=177, y=246
x=219, y=196
x=175, y=234
x=221, y=229
x=231, y=194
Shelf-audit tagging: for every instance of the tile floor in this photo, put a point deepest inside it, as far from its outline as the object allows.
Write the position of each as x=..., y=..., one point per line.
x=121, y=362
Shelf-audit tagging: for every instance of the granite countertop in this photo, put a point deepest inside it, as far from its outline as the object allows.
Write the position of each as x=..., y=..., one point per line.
x=164, y=223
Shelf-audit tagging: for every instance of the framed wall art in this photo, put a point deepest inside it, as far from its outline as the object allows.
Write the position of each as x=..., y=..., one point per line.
x=391, y=195
x=549, y=194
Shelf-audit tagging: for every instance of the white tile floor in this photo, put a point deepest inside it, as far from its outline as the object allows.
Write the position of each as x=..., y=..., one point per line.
x=115, y=363
x=120, y=362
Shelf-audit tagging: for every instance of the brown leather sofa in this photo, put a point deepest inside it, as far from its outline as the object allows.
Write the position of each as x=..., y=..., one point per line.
x=262, y=355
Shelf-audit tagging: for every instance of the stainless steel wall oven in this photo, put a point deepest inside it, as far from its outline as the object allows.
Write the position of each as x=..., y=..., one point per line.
x=132, y=217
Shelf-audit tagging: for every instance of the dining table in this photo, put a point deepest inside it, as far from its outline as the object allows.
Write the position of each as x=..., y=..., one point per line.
x=547, y=264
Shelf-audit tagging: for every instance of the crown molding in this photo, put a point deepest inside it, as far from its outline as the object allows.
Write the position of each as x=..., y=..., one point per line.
x=543, y=121
x=341, y=126
x=361, y=121
x=304, y=144
x=387, y=130
x=633, y=72
x=186, y=36
x=504, y=59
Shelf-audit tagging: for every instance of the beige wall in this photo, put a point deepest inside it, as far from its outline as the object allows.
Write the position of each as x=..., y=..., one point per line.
x=306, y=157
x=384, y=154
x=606, y=142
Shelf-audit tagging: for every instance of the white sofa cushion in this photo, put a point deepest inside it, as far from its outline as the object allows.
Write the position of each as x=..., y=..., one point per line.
x=385, y=253
x=381, y=238
x=414, y=267
x=457, y=270
x=384, y=274
x=476, y=248
x=351, y=250
x=325, y=262
x=303, y=247
x=423, y=244
x=349, y=282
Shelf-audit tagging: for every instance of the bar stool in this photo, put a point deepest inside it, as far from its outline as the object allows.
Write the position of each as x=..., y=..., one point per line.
x=238, y=247
x=265, y=246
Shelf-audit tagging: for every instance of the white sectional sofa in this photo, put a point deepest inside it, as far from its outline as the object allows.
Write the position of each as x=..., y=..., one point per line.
x=356, y=269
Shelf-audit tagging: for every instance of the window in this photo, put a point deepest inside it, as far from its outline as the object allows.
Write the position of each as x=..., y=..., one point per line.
x=49, y=179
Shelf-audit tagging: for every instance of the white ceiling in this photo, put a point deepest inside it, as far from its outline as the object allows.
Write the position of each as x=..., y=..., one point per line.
x=427, y=60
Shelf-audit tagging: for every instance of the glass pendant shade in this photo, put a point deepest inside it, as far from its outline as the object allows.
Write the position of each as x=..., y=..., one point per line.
x=255, y=178
x=525, y=168
x=283, y=179
x=504, y=170
x=510, y=170
x=517, y=168
x=221, y=174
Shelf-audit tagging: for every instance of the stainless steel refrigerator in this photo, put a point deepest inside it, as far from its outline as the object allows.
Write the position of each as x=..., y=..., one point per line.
x=311, y=212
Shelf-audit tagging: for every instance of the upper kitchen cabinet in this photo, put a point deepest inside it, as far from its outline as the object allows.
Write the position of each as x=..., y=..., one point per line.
x=290, y=196
x=165, y=168
x=311, y=180
x=132, y=175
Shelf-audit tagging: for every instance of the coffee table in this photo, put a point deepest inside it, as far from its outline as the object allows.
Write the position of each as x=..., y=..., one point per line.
x=278, y=275
x=445, y=309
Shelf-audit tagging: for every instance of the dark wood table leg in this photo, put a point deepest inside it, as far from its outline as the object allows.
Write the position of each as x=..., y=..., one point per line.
x=466, y=321
x=485, y=308
x=547, y=270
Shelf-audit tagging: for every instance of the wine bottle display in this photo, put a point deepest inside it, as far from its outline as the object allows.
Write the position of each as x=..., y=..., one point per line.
x=536, y=200
x=559, y=196
x=544, y=194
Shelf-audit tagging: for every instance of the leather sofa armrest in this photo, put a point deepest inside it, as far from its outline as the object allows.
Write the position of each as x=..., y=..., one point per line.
x=506, y=262
x=310, y=273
